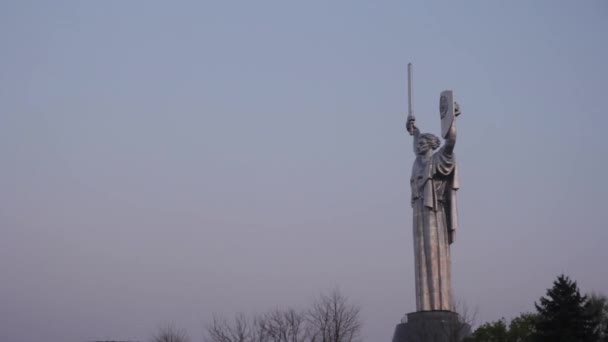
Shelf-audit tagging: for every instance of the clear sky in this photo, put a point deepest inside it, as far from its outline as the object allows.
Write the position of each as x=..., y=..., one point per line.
x=164, y=161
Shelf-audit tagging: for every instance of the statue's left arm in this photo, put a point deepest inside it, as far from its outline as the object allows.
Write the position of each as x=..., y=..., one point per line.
x=450, y=138
x=448, y=160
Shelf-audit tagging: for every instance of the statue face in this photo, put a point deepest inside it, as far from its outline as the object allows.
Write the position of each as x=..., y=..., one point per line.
x=423, y=146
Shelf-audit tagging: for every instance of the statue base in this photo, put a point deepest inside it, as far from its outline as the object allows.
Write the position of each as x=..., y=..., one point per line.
x=432, y=326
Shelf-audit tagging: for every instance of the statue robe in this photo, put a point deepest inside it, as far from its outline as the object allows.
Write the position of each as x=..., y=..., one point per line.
x=434, y=183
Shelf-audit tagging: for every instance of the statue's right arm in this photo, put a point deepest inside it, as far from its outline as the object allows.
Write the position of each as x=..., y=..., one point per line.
x=416, y=132
x=411, y=127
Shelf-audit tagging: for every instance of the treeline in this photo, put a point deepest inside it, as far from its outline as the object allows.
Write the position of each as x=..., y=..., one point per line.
x=330, y=318
x=562, y=315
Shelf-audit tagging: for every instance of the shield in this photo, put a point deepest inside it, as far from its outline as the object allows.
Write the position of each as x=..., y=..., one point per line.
x=446, y=111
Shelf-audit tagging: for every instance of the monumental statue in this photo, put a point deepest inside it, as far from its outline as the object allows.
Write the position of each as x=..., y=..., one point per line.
x=433, y=182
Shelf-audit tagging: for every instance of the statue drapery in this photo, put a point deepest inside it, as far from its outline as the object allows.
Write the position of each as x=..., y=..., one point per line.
x=434, y=183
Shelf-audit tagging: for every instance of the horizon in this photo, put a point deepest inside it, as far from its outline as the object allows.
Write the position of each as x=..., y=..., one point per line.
x=164, y=163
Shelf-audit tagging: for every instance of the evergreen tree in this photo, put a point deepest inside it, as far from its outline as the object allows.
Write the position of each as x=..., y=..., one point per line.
x=490, y=332
x=562, y=315
x=520, y=329
x=597, y=309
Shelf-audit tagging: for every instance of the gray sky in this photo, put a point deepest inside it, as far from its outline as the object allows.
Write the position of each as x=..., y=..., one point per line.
x=162, y=162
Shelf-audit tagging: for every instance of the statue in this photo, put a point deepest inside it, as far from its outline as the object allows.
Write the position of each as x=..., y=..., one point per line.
x=434, y=182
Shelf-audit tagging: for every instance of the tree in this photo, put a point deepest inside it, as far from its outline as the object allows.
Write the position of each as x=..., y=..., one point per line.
x=457, y=330
x=333, y=319
x=562, y=315
x=491, y=332
x=520, y=329
x=597, y=309
x=169, y=333
x=242, y=329
x=284, y=326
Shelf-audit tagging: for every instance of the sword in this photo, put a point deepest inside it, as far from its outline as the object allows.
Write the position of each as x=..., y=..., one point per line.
x=410, y=91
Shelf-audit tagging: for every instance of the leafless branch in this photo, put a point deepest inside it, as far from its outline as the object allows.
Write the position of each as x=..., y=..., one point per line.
x=333, y=319
x=170, y=333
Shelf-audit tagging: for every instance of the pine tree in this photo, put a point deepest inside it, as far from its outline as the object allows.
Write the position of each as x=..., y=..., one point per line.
x=597, y=309
x=562, y=315
x=520, y=329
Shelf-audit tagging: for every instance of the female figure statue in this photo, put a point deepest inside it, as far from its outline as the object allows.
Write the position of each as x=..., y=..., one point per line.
x=434, y=183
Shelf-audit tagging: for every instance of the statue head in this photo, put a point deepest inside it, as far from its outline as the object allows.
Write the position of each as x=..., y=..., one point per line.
x=426, y=142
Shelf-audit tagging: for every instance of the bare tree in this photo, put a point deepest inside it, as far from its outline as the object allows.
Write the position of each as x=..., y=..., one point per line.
x=242, y=329
x=283, y=326
x=333, y=319
x=275, y=326
x=330, y=319
x=458, y=329
x=169, y=333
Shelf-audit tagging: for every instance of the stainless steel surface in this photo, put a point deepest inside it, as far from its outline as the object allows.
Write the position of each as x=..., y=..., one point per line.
x=410, y=93
x=434, y=182
x=446, y=111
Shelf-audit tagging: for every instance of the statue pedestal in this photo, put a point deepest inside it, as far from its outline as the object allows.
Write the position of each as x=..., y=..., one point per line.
x=432, y=326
